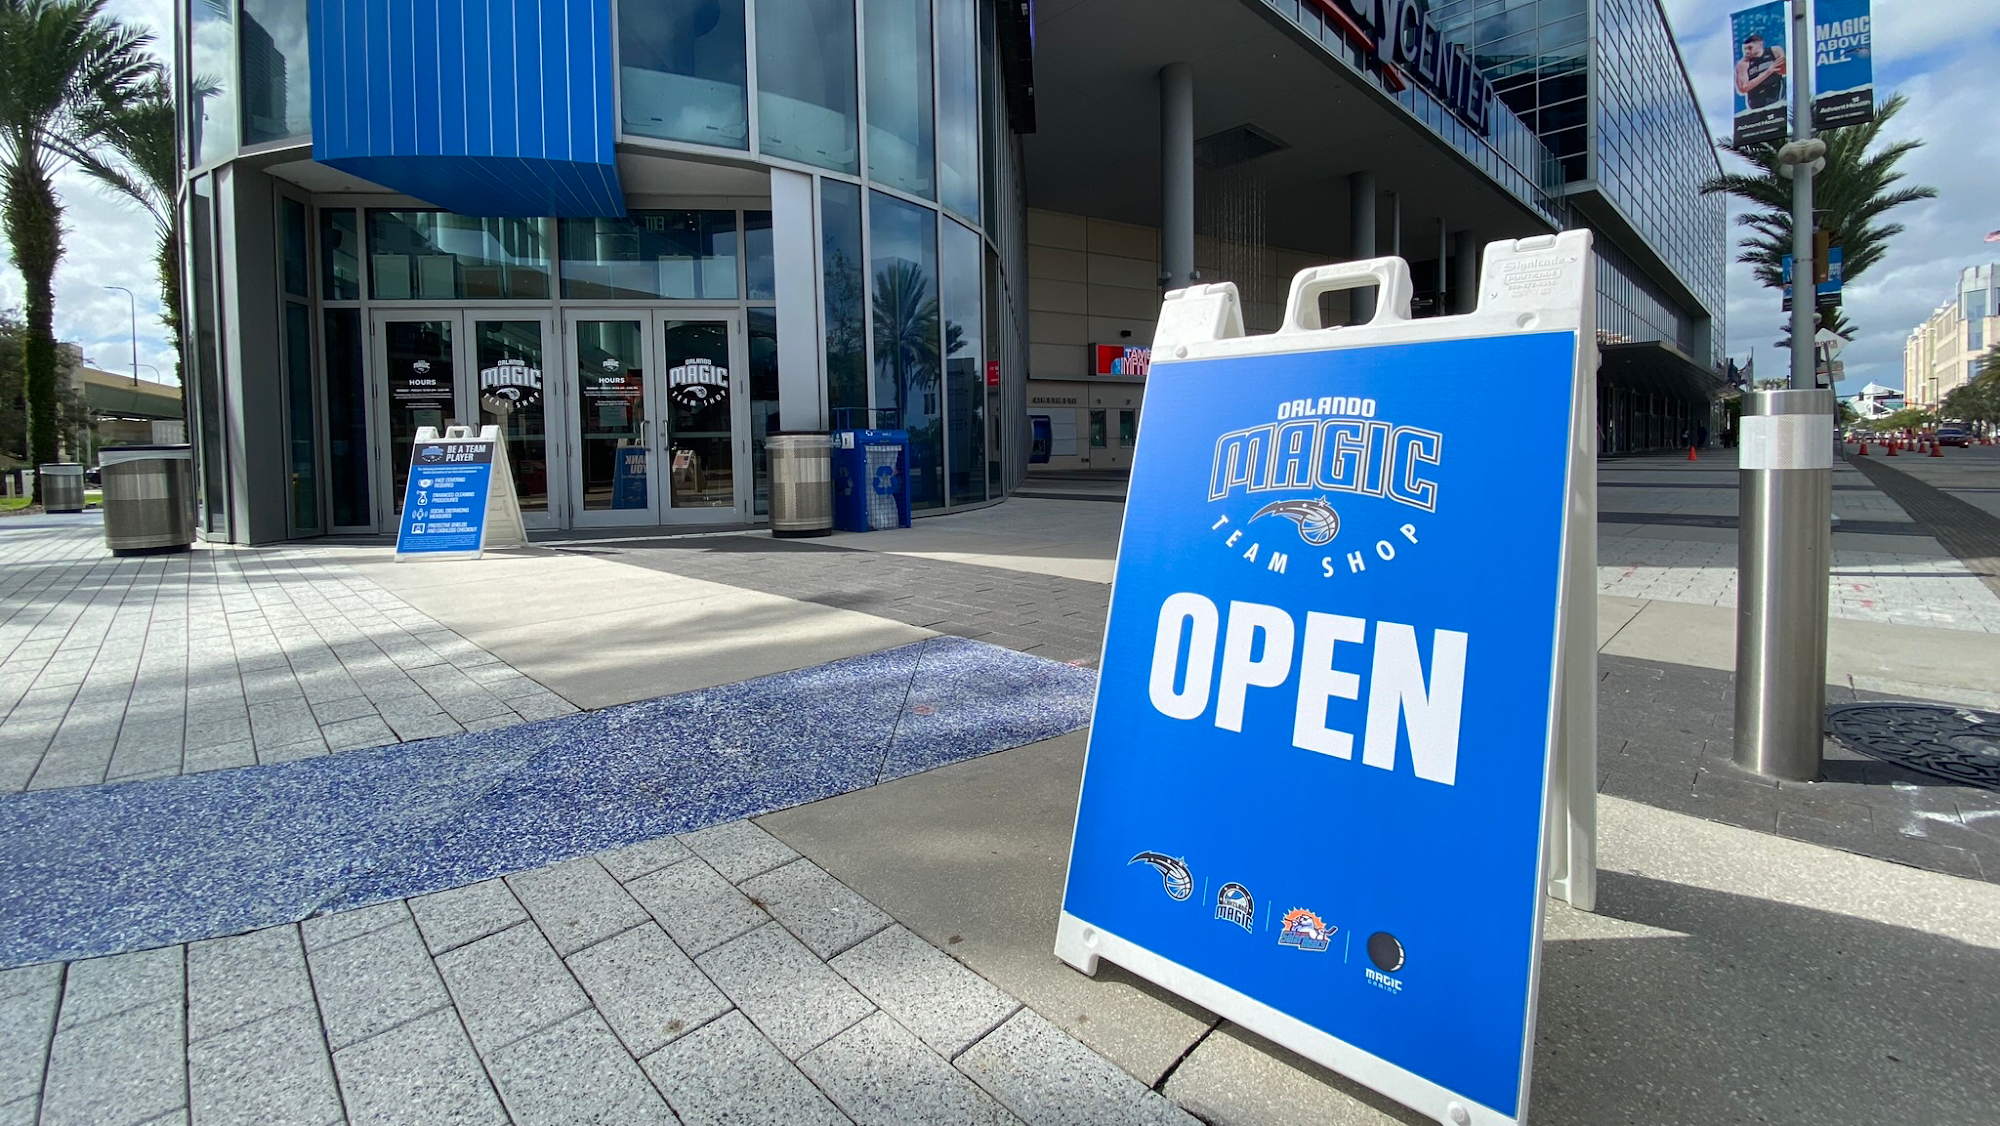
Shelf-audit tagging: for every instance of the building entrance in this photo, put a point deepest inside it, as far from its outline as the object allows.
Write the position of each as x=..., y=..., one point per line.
x=448, y=367
x=658, y=417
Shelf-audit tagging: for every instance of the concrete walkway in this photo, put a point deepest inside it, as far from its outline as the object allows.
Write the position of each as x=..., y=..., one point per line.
x=883, y=955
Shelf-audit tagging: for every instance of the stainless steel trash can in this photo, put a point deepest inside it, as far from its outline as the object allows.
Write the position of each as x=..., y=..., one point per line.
x=148, y=498
x=62, y=487
x=801, y=484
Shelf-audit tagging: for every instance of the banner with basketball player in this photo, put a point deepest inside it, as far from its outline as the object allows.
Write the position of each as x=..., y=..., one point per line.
x=1763, y=70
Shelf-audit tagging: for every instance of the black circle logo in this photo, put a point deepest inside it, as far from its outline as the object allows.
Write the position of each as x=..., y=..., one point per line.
x=1385, y=952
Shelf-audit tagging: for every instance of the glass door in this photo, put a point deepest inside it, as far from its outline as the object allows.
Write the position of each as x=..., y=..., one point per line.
x=659, y=416
x=611, y=472
x=700, y=400
x=513, y=395
x=421, y=360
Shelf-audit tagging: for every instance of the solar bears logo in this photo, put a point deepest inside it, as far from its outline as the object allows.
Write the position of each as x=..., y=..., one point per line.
x=1174, y=873
x=1235, y=904
x=1304, y=930
x=1322, y=448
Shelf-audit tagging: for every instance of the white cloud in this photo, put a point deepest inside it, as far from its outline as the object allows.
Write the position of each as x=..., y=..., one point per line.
x=1938, y=54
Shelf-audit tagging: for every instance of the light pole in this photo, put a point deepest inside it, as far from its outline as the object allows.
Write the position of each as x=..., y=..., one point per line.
x=135, y=330
x=1785, y=500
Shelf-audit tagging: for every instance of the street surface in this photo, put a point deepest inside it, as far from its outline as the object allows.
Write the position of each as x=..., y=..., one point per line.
x=352, y=841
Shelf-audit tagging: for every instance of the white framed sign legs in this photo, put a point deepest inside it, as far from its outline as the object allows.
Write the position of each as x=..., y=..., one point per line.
x=1344, y=732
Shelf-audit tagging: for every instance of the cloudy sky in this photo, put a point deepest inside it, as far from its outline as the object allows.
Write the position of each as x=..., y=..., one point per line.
x=1939, y=52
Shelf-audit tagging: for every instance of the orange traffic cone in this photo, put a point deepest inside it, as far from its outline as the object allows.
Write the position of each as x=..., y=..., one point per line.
x=1936, y=450
x=1864, y=448
x=1691, y=456
x=1891, y=445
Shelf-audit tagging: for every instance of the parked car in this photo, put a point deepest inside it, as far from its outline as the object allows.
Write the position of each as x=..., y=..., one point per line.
x=1953, y=436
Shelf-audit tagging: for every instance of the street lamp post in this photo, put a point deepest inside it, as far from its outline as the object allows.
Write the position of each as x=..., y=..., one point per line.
x=135, y=330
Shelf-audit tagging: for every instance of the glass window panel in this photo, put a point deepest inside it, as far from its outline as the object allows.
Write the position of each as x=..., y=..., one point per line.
x=669, y=254
x=611, y=414
x=423, y=386
x=841, y=266
x=701, y=449
x=1097, y=436
x=294, y=223
x=277, y=73
x=899, y=94
x=339, y=256
x=346, y=420
x=759, y=265
x=805, y=83
x=508, y=355
x=964, y=259
x=681, y=70
x=301, y=411
x=763, y=399
x=211, y=95
x=958, y=106
x=908, y=365
x=435, y=255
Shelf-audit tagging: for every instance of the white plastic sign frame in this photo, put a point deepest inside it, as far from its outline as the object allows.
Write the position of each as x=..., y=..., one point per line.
x=1202, y=788
x=500, y=523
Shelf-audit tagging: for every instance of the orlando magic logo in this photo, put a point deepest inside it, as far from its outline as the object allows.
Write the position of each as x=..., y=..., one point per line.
x=1234, y=903
x=1318, y=522
x=1173, y=873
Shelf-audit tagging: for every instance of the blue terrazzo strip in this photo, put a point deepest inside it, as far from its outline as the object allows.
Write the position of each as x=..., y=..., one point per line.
x=106, y=869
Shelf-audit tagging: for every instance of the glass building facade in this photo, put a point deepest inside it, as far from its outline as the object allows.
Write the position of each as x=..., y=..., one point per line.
x=385, y=314
x=1602, y=83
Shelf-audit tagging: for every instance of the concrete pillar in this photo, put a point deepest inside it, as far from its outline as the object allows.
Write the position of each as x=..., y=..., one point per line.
x=1464, y=271
x=1177, y=175
x=1361, y=239
x=795, y=252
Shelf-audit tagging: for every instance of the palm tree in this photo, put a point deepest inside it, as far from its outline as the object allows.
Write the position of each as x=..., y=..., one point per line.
x=66, y=65
x=1854, y=191
x=906, y=334
x=135, y=157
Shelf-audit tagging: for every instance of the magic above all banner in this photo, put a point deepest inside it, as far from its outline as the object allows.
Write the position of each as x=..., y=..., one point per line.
x=1843, y=63
x=1316, y=772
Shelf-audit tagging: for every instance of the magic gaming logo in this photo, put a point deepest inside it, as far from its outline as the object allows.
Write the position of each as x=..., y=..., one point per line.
x=1318, y=450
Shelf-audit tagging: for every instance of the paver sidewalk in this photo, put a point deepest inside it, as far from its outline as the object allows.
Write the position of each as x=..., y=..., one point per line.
x=716, y=977
x=120, y=669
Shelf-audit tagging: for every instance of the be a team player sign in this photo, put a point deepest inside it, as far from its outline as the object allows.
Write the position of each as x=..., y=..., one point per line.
x=1315, y=785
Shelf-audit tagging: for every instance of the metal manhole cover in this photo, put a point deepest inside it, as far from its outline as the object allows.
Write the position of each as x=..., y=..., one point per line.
x=1958, y=744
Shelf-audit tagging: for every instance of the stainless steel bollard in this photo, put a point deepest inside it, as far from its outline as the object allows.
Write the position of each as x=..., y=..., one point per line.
x=1783, y=548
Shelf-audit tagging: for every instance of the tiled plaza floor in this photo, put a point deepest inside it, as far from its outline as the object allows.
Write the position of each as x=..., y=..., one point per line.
x=118, y=669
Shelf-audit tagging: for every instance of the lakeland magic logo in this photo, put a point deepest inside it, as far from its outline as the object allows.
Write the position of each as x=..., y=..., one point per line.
x=1302, y=466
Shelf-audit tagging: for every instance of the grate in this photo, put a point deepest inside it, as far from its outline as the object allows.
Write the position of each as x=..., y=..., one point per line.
x=1958, y=744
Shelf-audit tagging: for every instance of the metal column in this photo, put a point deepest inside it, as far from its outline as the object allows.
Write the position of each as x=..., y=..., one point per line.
x=1783, y=547
x=1177, y=175
x=1361, y=240
x=1464, y=271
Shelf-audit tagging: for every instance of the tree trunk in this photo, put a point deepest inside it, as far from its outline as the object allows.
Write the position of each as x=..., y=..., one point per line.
x=33, y=220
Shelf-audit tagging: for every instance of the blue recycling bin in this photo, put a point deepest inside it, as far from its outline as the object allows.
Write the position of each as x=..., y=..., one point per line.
x=871, y=479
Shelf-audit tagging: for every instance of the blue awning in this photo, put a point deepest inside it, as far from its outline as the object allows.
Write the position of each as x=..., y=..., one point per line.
x=496, y=108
